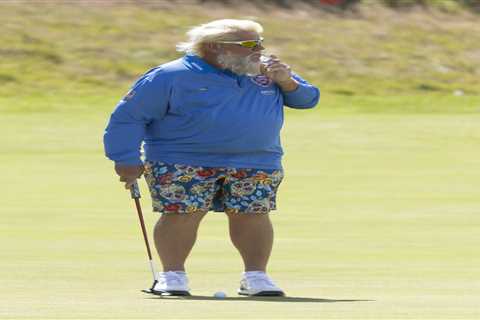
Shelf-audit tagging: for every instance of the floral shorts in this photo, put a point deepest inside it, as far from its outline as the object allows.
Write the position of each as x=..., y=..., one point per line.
x=178, y=188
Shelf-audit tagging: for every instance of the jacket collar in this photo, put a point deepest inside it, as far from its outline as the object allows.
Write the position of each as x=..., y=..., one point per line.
x=197, y=64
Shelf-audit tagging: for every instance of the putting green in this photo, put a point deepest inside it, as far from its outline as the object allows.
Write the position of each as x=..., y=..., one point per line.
x=378, y=218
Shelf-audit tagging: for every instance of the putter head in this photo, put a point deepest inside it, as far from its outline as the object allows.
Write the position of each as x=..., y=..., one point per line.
x=150, y=290
x=165, y=293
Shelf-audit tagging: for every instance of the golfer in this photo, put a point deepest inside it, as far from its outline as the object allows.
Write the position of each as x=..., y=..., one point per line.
x=210, y=123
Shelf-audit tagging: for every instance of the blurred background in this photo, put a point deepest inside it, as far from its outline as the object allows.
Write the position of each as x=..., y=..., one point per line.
x=349, y=47
x=379, y=211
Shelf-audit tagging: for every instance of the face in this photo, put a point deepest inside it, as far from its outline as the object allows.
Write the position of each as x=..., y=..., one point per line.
x=239, y=59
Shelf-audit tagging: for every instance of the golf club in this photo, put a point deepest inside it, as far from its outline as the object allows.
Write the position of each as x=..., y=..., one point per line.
x=135, y=193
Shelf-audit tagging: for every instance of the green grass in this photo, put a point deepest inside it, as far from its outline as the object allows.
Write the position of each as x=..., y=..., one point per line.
x=377, y=207
x=378, y=214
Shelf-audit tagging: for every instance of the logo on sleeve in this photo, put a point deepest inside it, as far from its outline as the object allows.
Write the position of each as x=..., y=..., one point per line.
x=261, y=80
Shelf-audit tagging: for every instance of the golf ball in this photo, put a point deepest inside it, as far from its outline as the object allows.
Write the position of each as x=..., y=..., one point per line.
x=219, y=294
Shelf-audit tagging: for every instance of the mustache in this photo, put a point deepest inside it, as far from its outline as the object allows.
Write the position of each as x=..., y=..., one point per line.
x=238, y=64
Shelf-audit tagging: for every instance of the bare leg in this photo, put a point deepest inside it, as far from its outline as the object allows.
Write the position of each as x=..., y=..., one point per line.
x=174, y=236
x=252, y=235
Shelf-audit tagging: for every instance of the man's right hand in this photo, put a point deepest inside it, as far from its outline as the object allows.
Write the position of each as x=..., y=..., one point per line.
x=129, y=174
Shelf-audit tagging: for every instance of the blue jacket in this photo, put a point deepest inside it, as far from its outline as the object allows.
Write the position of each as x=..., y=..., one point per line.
x=189, y=112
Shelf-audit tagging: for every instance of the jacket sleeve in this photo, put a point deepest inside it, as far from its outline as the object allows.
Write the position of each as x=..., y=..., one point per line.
x=304, y=97
x=147, y=100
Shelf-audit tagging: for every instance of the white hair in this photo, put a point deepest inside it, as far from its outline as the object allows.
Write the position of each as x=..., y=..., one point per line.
x=217, y=30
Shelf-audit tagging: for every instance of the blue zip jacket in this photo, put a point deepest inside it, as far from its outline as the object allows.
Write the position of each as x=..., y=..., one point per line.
x=189, y=112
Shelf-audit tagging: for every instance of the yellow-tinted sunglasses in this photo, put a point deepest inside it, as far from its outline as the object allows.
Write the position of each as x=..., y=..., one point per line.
x=246, y=43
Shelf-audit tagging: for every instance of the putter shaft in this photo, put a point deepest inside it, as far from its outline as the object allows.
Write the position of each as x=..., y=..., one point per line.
x=135, y=193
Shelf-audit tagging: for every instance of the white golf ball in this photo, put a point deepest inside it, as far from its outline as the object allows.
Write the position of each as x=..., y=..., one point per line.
x=219, y=294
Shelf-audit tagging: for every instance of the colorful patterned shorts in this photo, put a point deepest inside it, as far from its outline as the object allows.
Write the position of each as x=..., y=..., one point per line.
x=177, y=188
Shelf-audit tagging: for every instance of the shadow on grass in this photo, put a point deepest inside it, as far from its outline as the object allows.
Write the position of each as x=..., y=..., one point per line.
x=267, y=299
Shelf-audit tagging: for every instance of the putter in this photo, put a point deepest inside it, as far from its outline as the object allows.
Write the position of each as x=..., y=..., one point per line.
x=135, y=193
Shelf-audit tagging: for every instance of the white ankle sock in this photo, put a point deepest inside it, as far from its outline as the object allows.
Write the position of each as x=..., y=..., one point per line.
x=174, y=271
x=252, y=273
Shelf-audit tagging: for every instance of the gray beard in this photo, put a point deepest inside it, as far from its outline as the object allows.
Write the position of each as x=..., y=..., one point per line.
x=239, y=65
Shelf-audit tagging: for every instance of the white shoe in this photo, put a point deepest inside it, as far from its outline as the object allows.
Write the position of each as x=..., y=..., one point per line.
x=257, y=283
x=171, y=283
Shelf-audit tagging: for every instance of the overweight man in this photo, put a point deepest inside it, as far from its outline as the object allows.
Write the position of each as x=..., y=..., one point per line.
x=210, y=123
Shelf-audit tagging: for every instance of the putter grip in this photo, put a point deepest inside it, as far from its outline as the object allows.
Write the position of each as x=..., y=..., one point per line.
x=135, y=191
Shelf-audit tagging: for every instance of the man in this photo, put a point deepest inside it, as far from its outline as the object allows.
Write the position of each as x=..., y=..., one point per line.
x=210, y=123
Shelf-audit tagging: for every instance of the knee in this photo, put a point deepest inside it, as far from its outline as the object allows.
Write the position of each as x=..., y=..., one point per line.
x=246, y=223
x=173, y=219
x=247, y=218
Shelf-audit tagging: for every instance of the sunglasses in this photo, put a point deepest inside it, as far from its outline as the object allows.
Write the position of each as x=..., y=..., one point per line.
x=246, y=43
